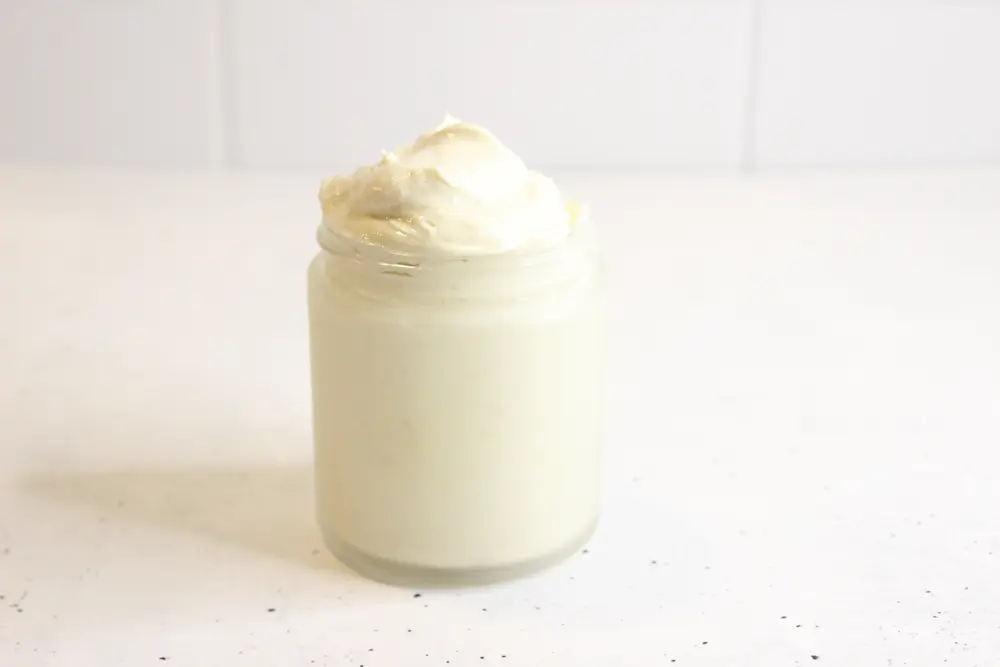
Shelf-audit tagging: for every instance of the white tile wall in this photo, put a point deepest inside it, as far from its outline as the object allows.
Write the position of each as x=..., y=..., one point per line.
x=863, y=82
x=602, y=83
x=268, y=84
x=110, y=81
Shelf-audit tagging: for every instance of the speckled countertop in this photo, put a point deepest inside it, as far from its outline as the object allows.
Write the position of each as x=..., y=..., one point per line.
x=802, y=466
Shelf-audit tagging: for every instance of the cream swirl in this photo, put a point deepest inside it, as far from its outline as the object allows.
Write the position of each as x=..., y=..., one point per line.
x=455, y=190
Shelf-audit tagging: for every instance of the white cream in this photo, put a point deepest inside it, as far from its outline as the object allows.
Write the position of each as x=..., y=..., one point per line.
x=454, y=191
x=457, y=405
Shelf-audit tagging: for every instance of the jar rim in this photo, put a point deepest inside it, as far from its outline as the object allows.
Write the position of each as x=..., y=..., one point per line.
x=581, y=234
x=384, y=273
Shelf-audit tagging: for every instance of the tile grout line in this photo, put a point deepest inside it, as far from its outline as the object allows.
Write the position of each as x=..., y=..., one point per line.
x=227, y=82
x=749, y=148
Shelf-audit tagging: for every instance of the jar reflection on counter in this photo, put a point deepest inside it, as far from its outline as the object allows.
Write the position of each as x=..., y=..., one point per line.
x=457, y=407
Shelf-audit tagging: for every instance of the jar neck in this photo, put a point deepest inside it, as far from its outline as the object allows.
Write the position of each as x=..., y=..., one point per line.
x=377, y=273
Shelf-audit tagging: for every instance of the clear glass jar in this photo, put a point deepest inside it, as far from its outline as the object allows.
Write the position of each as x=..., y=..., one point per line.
x=457, y=408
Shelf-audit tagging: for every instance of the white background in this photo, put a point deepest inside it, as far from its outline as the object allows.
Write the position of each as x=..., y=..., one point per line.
x=804, y=394
x=310, y=84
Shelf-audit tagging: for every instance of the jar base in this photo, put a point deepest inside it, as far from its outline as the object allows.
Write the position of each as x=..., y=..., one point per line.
x=397, y=573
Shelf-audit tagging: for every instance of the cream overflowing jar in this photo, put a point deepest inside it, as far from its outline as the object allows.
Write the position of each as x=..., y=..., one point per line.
x=457, y=330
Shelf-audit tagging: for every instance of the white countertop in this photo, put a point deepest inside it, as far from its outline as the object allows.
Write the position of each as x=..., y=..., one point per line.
x=803, y=456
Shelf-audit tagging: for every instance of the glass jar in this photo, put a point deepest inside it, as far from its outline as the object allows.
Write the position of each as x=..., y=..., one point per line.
x=457, y=407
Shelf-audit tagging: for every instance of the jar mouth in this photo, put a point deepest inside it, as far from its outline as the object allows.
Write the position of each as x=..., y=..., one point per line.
x=381, y=273
x=581, y=234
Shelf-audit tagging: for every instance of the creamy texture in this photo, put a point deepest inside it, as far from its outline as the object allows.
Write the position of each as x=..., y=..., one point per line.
x=457, y=435
x=457, y=405
x=455, y=191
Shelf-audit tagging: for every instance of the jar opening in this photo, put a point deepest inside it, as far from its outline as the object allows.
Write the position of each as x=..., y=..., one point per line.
x=378, y=272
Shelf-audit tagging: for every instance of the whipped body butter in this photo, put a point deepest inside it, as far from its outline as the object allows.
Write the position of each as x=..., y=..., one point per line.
x=457, y=343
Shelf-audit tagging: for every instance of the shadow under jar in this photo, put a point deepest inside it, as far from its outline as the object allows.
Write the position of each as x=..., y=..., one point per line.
x=457, y=407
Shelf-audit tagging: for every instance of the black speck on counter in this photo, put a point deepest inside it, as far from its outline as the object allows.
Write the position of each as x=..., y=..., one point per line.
x=271, y=610
x=416, y=595
x=586, y=551
x=163, y=657
x=652, y=562
x=703, y=643
x=814, y=657
x=798, y=626
x=783, y=617
x=371, y=650
x=409, y=630
x=484, y=608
